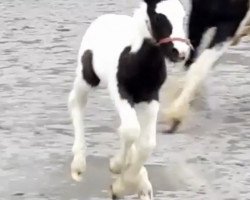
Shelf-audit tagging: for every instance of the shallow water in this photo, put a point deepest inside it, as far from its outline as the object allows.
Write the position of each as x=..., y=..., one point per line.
x=38, y=47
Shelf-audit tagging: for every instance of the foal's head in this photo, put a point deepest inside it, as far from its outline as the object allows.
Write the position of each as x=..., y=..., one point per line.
x=166, y=24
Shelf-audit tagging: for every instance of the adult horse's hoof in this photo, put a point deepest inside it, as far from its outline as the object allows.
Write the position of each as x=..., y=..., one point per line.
x=174, y=127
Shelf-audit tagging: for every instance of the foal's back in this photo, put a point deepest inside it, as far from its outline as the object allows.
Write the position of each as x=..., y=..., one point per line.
x=106, y=38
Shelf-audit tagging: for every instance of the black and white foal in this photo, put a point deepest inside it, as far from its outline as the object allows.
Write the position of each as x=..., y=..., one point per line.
x=228, y=17
x=127, y=55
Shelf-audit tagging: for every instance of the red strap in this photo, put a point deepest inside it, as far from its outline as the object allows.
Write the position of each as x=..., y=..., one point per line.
x=169, y=39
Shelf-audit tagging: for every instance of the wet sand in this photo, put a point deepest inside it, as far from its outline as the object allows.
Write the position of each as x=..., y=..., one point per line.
x=207, y=159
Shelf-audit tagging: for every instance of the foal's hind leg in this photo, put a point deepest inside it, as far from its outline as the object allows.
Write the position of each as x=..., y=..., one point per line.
x=77, y=102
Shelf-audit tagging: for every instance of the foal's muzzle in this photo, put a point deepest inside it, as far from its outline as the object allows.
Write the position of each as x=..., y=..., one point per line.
x=177, y=54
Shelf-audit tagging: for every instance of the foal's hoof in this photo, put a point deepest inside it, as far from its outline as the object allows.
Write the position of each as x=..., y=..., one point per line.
x=145, y=190
x=174, y=127
x=115, y=165
x=113, y=195
x=147, y=196
x=118, y=189
x=78, y=167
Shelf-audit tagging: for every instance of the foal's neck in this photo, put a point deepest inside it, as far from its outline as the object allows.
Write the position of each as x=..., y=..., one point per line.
x=142, y=24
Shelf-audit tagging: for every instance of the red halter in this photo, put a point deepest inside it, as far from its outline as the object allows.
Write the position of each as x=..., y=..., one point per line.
x=169, y=39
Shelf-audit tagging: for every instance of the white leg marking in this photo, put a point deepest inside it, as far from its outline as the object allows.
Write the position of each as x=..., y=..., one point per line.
x=77, y=103
x=129, y=129
x=243, y=29
x=195, y=76
x=135, y=178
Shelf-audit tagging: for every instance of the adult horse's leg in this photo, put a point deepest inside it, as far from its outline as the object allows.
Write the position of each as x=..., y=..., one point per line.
x=199, y=70
x=196, y=29
x=243, y=29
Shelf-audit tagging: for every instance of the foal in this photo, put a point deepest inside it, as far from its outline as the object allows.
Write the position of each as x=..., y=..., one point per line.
x=229, y=17
x=127, y=55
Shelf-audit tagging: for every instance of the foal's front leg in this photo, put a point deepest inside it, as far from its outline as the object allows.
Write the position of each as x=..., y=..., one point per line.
x=129, y=131
x=135, y=176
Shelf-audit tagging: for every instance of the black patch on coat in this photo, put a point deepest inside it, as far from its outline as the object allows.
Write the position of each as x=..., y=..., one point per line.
x=160, y=25
x=141, y=74
x=152, y=2
x=225, y=15
x=88, y=72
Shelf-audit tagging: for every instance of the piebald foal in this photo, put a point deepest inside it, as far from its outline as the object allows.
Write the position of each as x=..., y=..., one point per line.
x=127, y=55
